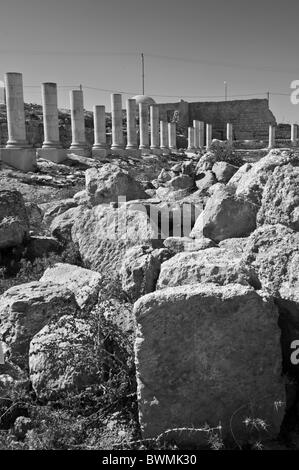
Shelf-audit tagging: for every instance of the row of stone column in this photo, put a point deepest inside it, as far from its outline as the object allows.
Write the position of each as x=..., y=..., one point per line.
x=272, y=137
x=196, y=135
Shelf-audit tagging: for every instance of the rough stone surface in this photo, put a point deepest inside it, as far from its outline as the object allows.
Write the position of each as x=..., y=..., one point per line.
x=26, y=309
x=224, y=171
x=179, y=244
x=211, y=265
x=35, y=216
x=201, y=357
x=58, y=357
x=14, y=223
x=234, y=180
x=58, y=208
x=280, y=201
x=104, y=233
x=61, y=226
x=207, y=179
x=180, y=182
x=39, y=246
x=252, y=184
x=107, y=183
x=84, y=283
x=225, y=216
x=206, y=162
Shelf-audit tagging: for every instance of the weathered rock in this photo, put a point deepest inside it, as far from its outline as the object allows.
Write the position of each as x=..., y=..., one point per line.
x=84, y=283
x=58, y=208
x=252, y=184
x=170, y=194
x=280, y=200
x=224, y=171
x=179, y=244
x=58, y=357
x=207, y=179
x=105, y=233
x=25, y=309
x=35, y=216
x=14, y=223
x=61, y=226
x=110, y=182
x=164, y=176
x=180, y=182
x=188, y=168
x=206, y=162
x=235, y=246
x=201, y=357
x=272, y=255
x=225, y=216
x=38, y=247
x=81, y=197
x=140, y=270
x=234, y=181
x=209, y=265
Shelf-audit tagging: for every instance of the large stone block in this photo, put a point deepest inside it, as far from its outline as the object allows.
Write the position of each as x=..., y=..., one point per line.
x=23, y=159
x=207, y=354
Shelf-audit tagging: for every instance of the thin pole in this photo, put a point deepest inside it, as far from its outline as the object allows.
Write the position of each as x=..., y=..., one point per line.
x=142, y=64
x=225, y=91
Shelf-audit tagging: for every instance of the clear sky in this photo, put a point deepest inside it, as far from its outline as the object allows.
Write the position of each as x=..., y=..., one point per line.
x=191, y=47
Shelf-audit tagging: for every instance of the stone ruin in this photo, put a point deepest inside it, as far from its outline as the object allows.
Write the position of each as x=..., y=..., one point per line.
x=156, y=136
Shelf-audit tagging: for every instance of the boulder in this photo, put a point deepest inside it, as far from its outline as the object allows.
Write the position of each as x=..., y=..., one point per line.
x=140, y=270
x=252, y=183
x=201, y=358
x=81, y=197
x=234, y=180
x=179, y=244
x=205, y=162
x=104, y=233
x=14, y=222
x=57, y=208
x=280, y=200
x=171, y=194
x=225, y=216
x=25, y=309
x=210, y=265
x=61, y=226
x=204, y=181
x=224, y=171
x=60, y=358
x=84, y=283
x=235, y=246
x=108, y=183
x=180, y=182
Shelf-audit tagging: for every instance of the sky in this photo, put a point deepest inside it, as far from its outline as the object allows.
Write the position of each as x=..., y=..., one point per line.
x=191, y=47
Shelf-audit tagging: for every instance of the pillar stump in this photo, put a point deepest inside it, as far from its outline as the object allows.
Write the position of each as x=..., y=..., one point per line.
x=164, y=138
x=271, y=137
x=191, y=140
x=79, y=145
x=172, y=136
x=201, y=134
x=154, y=122
x=229, y=133
x=99, y=148
x=18, y=153
x=208, y=136
x=51, y=149
x=117, y=146
x=131, y=147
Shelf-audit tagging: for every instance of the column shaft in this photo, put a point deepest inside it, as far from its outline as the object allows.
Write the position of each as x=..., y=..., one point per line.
x=172, y=135
x=154, y=116
x=117, y=124
x=50, y=116
x=131, y=124
x=208, y=135
x=229, y=132
x=196, y=125
x=191, y=139
x=164, y=137
x=271, y=136
x=143, y=126
x=201, y=134
x=99, y=118
x=77, y=117
x=294, y=134
x=15, y=111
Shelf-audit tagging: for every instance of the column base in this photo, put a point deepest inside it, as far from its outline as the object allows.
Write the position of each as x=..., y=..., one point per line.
x=53, y=155
x=132, y=152
x=99, y=153
x=156, y=151
x=19, y=158
x=117, y=151
x=81, y=152
x=145, y=151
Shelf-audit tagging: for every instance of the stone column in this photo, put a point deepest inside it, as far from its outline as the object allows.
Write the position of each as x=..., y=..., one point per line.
x=143, y=129
x=294, y=134
x=131, y=148
x=117, y=146
x=208, y=135
x=271, y=136
x=78, y=145
x=201, y=143
x=51, y=149
x=164, y=137
x=196, y=125
x=229, y=132
x=99, y=148
x=172, y=136
x=154, y=119
x=18, y=153
x=191, y=140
